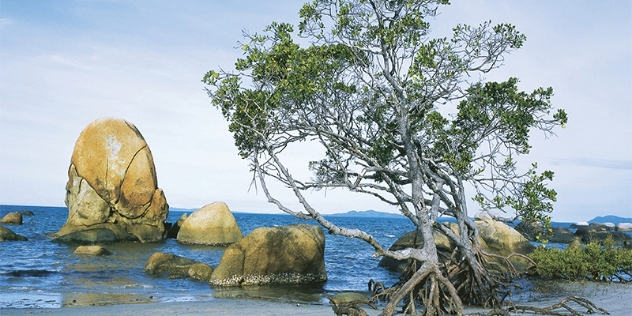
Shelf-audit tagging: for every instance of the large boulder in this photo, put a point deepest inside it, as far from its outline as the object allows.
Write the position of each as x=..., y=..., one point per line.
x=494, y=236
x=112, y=182
x=499, y=238
x=291, y=254
x=12, y=219
x=213, y=224
x=412, y=239
x=8, y=235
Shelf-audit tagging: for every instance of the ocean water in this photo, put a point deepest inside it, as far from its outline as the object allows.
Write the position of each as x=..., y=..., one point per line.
x=40, y=273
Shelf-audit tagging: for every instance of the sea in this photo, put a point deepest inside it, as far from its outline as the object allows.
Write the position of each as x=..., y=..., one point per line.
x=40, y=273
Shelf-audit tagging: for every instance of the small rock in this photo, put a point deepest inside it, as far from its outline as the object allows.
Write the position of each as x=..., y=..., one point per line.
x=349, y=297
x=580, y=224
x=609, y=225
x=173, y=266
x=12, y=219
x=8, y=235
x=92, y=250
x=624, y=227
x=200, y=271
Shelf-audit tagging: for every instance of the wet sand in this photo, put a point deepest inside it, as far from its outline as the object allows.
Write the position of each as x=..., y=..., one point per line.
x=615, y=298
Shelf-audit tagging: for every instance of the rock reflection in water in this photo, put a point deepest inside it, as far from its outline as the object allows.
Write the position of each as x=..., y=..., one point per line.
x=281, y=293
x=99, y=299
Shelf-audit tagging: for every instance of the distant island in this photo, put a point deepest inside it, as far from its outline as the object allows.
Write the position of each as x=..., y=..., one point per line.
x=611, y=219
x=368, y=213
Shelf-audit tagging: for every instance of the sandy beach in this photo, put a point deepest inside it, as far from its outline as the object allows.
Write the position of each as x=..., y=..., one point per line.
x=614, y=298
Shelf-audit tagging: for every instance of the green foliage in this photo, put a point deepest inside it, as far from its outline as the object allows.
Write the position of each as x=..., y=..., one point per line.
x=372, y=81
x=368, y=85
x=595, y=261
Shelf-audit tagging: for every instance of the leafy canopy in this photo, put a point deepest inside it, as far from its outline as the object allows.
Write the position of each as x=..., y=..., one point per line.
x=370, y=80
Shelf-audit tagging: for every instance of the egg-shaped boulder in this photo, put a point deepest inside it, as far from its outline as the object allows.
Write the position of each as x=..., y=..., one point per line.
x=213, y=224
x=112, y=184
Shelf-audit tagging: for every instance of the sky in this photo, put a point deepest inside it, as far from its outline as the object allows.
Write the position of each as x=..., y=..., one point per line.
x=66, y=63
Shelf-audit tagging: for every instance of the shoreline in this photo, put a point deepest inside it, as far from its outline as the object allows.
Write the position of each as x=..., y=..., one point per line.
x=616, y=298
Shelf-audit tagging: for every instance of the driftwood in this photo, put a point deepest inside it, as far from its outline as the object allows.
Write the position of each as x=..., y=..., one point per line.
x=590, y=307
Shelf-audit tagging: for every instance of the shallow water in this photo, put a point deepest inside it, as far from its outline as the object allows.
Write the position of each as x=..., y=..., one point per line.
x=39, y=273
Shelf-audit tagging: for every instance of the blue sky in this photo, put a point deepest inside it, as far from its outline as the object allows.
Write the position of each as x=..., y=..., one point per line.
x=66, y=63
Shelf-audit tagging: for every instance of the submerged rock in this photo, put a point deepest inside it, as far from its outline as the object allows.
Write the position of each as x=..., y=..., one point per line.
x=8, y=235
x=213, y=224
x=89, y=237
x=12, y=219
x=92, y=250
x=200, y=271
x=291, y=254
x=112, y=184
x=175, y=267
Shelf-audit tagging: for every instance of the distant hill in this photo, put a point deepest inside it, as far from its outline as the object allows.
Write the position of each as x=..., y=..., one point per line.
x=369, y=213
x=611, y=219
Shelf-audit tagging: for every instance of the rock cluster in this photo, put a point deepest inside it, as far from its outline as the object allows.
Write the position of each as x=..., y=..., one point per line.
x=112, y=186
x=599, y=232
x=293, y=254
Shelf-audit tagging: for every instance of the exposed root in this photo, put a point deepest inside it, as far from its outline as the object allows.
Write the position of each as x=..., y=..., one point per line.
x=443, y=289
x=426, y=286
x=590, y=307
